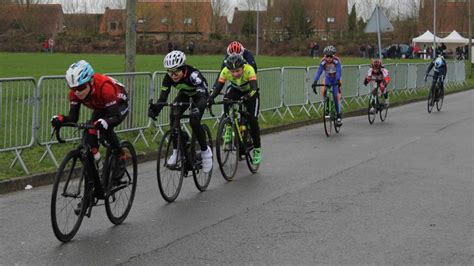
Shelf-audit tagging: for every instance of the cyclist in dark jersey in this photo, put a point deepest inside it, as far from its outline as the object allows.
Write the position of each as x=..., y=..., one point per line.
x=191, y=84
x=440, y=70
x=109, y=102
x=237, y=48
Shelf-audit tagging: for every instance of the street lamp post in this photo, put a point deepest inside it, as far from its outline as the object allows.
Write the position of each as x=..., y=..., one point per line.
x=258, y=28
x=434, y=29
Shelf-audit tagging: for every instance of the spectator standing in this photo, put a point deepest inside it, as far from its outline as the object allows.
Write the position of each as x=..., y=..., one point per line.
x=362, y=51
x=316, y=50
x=170, y=47
x=51, y=44
x=191, y=47
x=370, y=50
x=46, y=46
x=311, y=49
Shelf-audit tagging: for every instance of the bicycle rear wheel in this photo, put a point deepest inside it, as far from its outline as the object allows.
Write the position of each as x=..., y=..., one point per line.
x=439, y=103
x=227, y=153
x=327, y=117
x=430, y=102
x=373, y=106
x=170, y=177
x=201, y=179
x=119, y=197
x=68, y=201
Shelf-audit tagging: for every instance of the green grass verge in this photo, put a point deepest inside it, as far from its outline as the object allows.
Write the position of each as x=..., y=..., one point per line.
x=42, y=64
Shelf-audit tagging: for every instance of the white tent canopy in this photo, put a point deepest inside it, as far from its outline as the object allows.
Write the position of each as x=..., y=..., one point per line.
x=455, y=37
x=426, y=37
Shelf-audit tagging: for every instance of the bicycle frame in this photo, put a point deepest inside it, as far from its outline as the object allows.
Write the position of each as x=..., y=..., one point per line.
x=96, y=189
x=233, y=114
x=185, y=157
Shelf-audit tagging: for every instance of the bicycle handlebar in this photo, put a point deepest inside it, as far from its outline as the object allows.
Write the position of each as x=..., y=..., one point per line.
x=57, y=130
x=322, y=85
x=229, y=102
x=174, y=104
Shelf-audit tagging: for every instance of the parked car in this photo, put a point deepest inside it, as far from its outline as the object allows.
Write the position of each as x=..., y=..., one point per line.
x=390, y=51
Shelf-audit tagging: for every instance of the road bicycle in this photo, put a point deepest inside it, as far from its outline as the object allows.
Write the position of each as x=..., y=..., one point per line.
x=436, y=94
x=234, y=141
x=81, y=183
x=329, y=114
x=170, y=177
x=375, y=106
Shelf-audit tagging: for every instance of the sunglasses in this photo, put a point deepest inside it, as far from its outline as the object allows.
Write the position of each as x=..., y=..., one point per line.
x=174, y=73
x=329, y=56
x=80, y=87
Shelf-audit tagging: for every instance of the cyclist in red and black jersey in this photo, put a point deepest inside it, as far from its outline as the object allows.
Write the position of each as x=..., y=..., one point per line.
x=108, y=100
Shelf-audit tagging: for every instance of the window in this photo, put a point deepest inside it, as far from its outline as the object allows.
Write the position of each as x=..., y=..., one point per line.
x=141, y=21
x=307, y=19
x=277, y=19
x=113, y=25
x=164, y=20
x=330, y=20
x=188, y=21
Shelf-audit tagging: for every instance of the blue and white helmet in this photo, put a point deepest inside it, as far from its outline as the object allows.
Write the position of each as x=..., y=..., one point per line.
x=79, y=73
x=439, y=62
x=174, y=59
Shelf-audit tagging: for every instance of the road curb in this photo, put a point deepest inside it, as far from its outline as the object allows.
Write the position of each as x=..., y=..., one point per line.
x=40, y=179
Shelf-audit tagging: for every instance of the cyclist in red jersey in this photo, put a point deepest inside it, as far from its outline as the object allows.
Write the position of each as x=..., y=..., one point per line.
x=106, y=97
x=380, y=75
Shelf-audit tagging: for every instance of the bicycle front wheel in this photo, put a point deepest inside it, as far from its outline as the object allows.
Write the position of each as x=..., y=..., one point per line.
x=372, y=110
x=170, y=177
x=119, y=197
x=430, y=103
x=439, y=102
x=201, y=179
x=227, y=148
x=327, y=117
x=68, y=201
x=383, y=112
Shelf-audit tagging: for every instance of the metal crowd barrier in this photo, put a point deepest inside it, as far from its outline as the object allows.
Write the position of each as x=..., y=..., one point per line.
x=26, y=109
x=138, y=86
x=17, y=116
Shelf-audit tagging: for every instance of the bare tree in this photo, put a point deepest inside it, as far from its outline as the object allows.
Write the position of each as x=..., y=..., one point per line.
x=219, y=8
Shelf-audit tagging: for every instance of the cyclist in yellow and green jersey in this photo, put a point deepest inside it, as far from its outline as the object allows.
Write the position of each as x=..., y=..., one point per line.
x=243, y=86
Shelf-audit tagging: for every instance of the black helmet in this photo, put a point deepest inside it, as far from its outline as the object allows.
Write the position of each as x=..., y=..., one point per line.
x=329, y=50
x=234, y=62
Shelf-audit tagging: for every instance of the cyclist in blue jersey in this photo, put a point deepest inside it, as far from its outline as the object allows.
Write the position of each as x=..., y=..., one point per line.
x=331, y=65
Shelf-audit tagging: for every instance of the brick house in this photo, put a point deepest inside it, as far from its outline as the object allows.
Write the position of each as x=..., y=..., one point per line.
x=450, y=15
x=113, y=22
x=82, y=24
x=167, y=19
x=43, y=19
x=322, y=18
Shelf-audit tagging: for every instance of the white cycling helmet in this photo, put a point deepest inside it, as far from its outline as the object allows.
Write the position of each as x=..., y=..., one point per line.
x=174, y=60
x=79, y=73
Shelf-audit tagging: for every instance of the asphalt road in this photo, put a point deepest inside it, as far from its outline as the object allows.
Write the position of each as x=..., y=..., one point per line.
x=398, y=192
